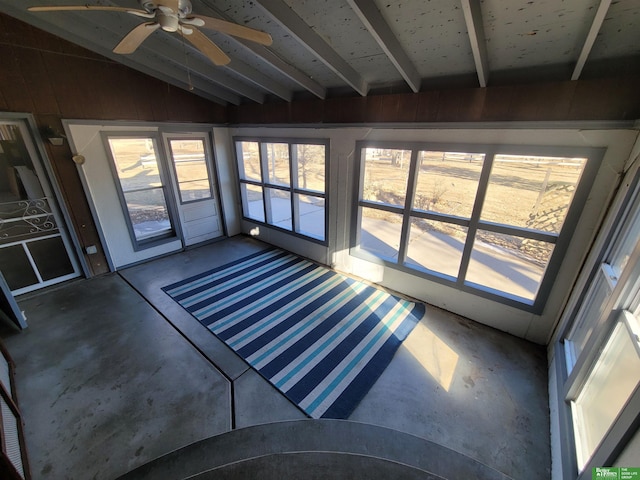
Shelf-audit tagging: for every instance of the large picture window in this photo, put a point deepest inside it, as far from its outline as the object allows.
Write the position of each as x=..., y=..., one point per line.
x=487, y=219
x=282, y=184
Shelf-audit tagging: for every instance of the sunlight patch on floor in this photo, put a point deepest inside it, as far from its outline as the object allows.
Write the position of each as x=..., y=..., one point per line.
x=433, y=354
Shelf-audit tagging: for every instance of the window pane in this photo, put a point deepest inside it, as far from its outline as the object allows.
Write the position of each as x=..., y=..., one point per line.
x=590, y=312
x=310, y=216
x=136, y=163
x=148, y=213
x=310, y=166
x=249, y=160
x=509, y=264
x=50, y=257
x=252, y=202
x=278, y=163
x=196, y=190
x=532, y=192
x=385, y=175
x=16, y=268
x=380, y=232
x=191, y=169
x=189, y=160
x=436, y=246
x=608, y=387
x=280, y=208
x=141, y=183
x=447, y=182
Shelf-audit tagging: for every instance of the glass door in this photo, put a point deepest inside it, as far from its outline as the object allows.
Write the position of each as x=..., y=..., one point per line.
x=34, y=248
x=194, y=186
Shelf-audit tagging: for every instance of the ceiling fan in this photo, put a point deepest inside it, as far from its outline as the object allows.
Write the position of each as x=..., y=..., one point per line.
x=171, y=16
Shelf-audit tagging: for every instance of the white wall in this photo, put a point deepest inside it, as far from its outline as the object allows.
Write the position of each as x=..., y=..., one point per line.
x=103, y=195
x=227, y=180
x=536, y=328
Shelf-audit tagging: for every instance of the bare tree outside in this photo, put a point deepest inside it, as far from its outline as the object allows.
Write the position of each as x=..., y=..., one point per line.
x=524, y=192
x=311, y=166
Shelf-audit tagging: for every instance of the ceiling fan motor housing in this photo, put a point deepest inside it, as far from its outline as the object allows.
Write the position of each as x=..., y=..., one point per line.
x=184, y=6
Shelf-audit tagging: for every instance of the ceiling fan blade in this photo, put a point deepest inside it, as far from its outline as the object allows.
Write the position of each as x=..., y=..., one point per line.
x=135, y=37
x=70, y=8
x=235, y=30
x=206, y=46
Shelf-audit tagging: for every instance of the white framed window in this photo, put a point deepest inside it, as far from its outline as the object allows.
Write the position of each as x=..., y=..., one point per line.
x=193, y=176
x=611, y=381
x=142, y=188
x=283, y=184
x=489, y=219
x=600, y=384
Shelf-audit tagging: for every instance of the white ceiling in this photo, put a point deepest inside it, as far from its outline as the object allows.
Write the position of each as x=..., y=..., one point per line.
x=324, y=48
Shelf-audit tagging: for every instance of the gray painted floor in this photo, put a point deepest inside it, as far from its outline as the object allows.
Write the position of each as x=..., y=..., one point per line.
x=112, y=373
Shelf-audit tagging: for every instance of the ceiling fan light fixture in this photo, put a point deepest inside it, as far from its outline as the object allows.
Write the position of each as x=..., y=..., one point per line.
x=195, y=21
x=168, y=23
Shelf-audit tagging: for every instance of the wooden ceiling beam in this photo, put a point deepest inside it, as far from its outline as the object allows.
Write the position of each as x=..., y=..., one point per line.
x=599, y=17
x=273, y=60
x=291, y=22
x=368, y=13
x=475, y=29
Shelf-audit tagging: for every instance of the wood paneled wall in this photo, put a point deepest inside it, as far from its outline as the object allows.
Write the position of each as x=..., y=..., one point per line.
x=53, y=79
x=590, y=99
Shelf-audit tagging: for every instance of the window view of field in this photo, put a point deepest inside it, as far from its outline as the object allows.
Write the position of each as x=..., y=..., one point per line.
x=284, y=187
x=531, y=192
x=191, y=169
x=137, y=169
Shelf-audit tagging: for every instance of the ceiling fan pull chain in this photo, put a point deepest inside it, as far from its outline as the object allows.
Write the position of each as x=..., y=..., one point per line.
x=186, y=63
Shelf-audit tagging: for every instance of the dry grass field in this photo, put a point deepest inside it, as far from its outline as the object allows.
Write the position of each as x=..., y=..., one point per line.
x=447, y=184
x=522, y=191
x=309, y=161
x=139, y=175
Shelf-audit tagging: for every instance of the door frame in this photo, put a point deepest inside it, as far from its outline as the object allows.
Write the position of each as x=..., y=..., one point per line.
x=168, y=134
x=48, y=181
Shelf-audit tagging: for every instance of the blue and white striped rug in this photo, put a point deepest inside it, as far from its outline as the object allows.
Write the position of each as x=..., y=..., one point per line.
x=321, y=338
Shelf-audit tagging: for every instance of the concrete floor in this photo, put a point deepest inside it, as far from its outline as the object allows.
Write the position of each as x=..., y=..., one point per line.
x=112, y=373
